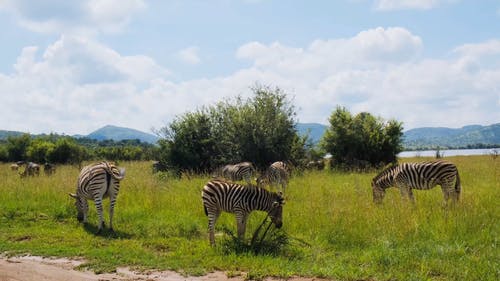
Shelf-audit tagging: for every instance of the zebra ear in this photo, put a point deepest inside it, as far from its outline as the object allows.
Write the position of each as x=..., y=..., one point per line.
x=72, y=195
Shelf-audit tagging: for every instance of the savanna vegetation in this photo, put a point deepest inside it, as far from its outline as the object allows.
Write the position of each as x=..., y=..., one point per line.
x=331, y=227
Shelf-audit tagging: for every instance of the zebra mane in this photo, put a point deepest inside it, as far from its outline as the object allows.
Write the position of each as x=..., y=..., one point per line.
x=385, y=172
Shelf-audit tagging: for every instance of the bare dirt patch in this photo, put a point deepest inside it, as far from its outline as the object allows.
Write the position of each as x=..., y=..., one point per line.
x=31, y=268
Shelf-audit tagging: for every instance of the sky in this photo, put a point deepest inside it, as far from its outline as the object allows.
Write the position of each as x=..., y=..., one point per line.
x=71, y=67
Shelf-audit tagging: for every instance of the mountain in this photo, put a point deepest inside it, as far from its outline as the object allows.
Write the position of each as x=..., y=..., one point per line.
x=5, y=134
x=110, y=132
x=314, y=130
x=452, y=138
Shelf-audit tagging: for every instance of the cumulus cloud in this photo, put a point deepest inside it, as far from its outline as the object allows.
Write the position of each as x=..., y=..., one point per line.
x=76, y=85
x=189, y=55
x=389, y=5
x=81, y=17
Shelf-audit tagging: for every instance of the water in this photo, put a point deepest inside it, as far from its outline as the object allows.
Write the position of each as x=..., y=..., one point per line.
x=450, y=152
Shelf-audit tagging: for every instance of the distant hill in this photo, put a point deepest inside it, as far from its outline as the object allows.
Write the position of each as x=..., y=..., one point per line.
x=5, y=134
x=428, y=137
x=314, y=130
x=110, y=132
x=452, y=138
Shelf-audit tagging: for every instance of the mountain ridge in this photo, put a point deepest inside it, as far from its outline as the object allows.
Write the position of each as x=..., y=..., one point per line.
x=413, y=139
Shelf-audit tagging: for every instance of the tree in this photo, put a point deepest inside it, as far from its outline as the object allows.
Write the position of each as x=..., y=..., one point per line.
x=362, y=140
x=17, y=147
x=66, y=150
x=39, y=150
x=260, y=129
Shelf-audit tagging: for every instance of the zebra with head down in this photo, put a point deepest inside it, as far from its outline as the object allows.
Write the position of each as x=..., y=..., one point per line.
x=424, y=176
x=219, y=196
x=96, y=182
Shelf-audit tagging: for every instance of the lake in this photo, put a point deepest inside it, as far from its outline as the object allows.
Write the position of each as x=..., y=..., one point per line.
x=450, y=152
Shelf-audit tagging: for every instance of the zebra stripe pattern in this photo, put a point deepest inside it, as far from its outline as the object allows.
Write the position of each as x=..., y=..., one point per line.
x=276, y=175
x=424, y=176
x=96, y=182
x=237, y=172
x=218, y=196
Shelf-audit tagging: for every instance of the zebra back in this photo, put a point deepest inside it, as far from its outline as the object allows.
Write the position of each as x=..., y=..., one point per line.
x=237, y=172
x=232, y=197
x=423, y=175
x=93, y=176
x=277, y=173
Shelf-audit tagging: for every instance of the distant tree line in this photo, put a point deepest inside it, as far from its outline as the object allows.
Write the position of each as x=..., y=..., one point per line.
x=260, y=129
x=68, y=150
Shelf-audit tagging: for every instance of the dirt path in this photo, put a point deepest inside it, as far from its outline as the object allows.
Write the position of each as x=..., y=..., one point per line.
x=30, y=268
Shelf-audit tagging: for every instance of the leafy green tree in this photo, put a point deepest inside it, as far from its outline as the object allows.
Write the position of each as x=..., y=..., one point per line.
x=4, y=153
x=17, y=147
x=66, y=150
x=260, y=129
x=39, y=150
x=362, y=140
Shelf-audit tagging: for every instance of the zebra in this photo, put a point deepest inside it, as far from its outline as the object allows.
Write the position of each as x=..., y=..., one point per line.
x=96, y=182
x=14, y=167
x=31, y=169
x=237, y=172
x=277, y=174
x=424, y=175
x=218, y=196
x=49, y=168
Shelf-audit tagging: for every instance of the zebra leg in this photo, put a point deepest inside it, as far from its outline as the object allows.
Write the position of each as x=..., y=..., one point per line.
x=405, y=191
x=98, y=206
x=213, y=215
x=241, y=224
x=111, y=213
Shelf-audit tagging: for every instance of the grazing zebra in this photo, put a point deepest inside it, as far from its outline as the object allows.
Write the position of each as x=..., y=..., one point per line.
x=97, y=182
x=276, y=175
x=424, y=175
x=218, y=196
x=237, y=172
x=49, y=169
x=14, y=167
x=31, y=169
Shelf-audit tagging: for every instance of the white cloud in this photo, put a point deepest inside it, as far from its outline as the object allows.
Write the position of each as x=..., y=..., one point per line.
x=389, y=5
x=189, y=55
x=77, y=85
x=81, y=17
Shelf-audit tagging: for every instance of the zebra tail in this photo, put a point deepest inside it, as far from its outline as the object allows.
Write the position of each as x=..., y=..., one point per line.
x=205, y=209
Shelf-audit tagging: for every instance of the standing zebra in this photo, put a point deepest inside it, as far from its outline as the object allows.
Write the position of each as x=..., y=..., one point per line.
x=237, y=172
x=276, y=175
x=218, y=196
x=424, y=175
x=96, y=182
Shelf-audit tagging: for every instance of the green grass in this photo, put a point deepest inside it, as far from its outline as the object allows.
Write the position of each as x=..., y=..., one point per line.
x=331, y=227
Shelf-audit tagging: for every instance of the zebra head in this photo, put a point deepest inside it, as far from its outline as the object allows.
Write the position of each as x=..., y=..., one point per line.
x=276, y=212
x=81, y=206
x=378, y=192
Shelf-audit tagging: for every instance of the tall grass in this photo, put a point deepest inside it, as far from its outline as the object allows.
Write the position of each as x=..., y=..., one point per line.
x=331, y=227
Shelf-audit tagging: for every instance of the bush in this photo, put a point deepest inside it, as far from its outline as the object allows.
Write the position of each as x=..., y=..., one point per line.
x=260, y=129
x=362, y=141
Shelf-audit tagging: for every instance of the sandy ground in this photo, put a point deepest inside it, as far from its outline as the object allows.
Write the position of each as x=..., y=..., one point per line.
x=30, y=268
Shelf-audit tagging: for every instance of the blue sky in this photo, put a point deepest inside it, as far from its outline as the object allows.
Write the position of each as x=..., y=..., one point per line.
x=74, y=66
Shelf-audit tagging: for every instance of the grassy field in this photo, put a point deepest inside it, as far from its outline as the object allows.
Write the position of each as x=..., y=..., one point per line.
x=333, y=228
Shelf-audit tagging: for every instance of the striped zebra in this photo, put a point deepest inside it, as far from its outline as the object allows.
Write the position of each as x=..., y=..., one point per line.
x=424, y=175
x=218, y=196
x=32, y=169
x=237, y=172
x=277, y=174
x=96, y=182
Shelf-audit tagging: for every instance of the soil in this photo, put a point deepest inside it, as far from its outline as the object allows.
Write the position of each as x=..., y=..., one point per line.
x=32, y=268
